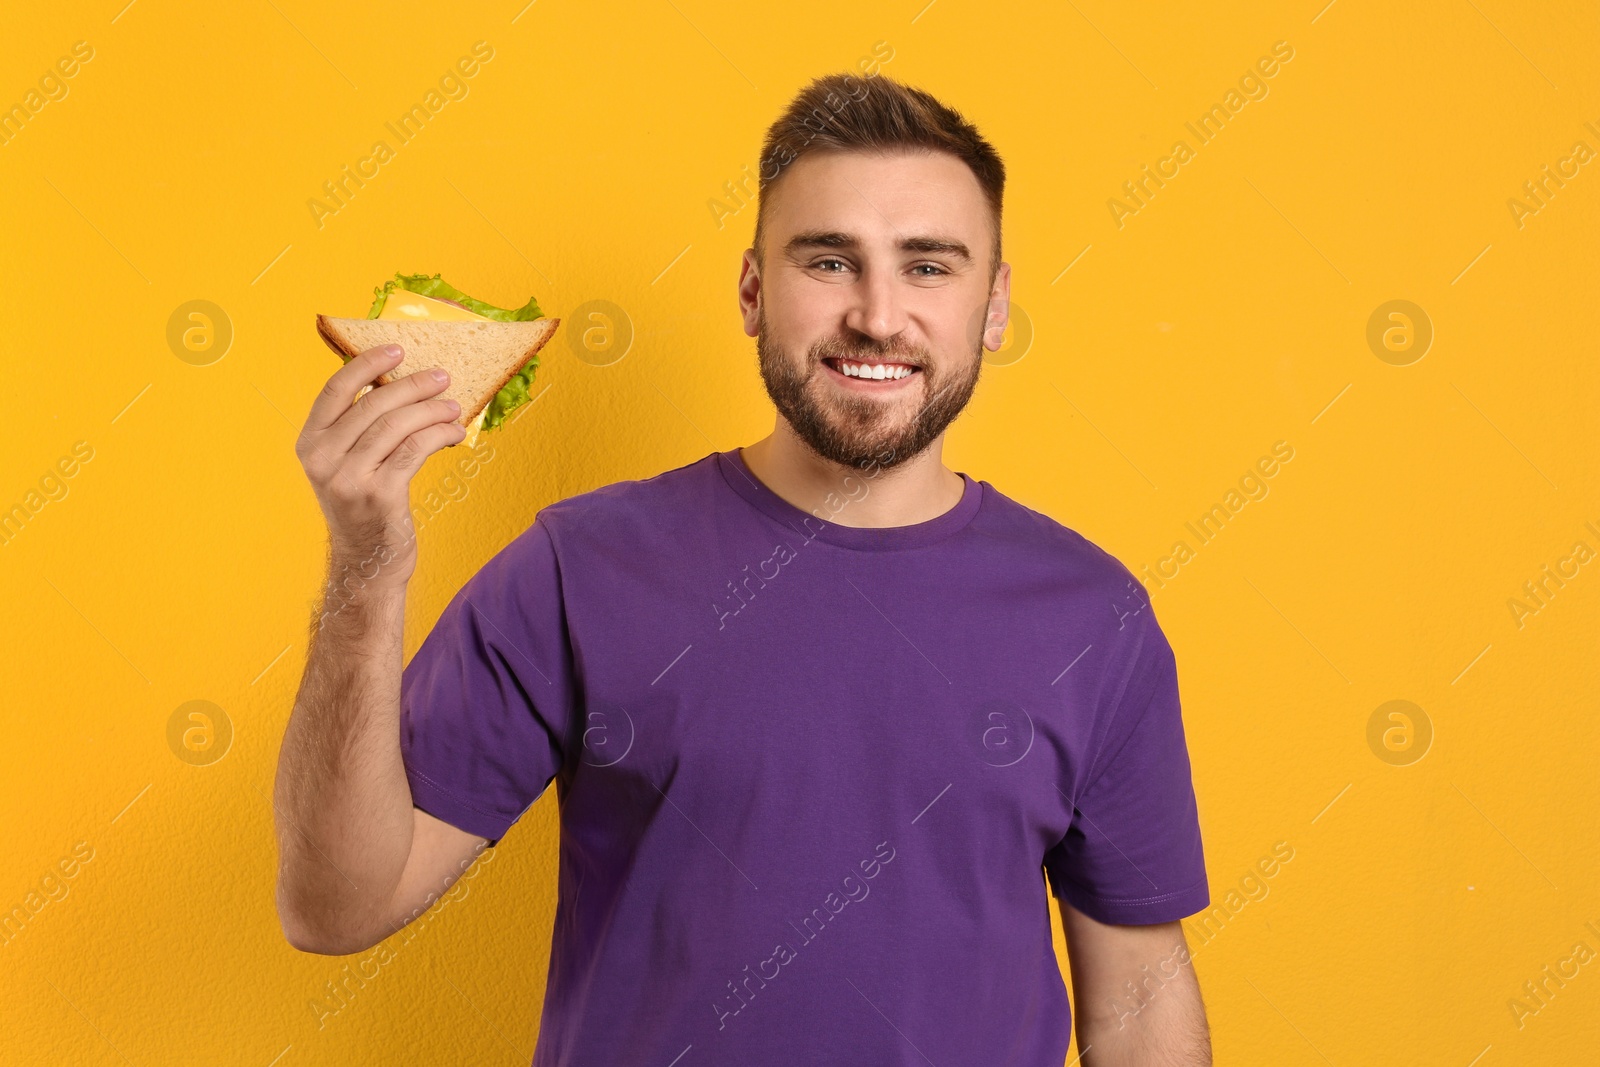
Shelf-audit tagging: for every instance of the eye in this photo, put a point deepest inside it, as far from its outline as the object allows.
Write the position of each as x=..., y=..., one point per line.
x=820, y=263
x=937, y=270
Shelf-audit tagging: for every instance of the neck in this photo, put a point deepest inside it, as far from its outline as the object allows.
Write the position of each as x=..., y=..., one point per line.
x=920, y=489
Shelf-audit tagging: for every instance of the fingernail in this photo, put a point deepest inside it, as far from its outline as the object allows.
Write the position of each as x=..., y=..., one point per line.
x=440, y=376
x=453, y=406
x=391, y=351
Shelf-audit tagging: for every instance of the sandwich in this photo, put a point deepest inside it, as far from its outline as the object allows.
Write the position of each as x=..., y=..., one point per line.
x=490, y=353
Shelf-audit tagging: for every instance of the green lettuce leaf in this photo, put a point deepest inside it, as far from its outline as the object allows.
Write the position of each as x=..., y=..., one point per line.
x=515, y=392
x=511, y=396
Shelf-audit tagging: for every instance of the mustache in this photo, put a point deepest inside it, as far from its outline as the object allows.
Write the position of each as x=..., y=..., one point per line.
x=896, y=349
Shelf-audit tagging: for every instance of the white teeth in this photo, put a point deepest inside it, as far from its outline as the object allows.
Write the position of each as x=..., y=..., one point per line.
x=876, y=371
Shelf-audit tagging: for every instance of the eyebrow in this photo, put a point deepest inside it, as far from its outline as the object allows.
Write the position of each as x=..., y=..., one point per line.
x=839, y=239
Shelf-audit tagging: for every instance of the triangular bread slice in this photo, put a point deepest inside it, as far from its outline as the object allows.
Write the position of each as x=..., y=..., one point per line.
x=480, y=357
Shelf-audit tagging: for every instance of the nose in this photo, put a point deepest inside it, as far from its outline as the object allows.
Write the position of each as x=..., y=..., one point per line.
x=875, y=309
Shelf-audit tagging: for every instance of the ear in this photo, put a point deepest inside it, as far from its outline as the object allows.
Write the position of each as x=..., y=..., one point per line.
x=999, y=310
x=750, y=293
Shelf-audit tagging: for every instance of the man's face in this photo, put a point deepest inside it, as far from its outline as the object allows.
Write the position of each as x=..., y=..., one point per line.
x=874, y=265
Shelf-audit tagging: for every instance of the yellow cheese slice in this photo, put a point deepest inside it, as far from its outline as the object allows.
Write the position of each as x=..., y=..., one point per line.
x=414, y=307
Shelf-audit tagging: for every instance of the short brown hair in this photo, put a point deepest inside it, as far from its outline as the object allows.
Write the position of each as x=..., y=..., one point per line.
x=843, y=112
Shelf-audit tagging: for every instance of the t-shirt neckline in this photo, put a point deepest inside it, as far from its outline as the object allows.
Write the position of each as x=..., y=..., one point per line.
x=742, y=480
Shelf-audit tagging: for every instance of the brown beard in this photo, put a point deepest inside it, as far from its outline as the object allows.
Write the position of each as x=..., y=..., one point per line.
x=857, y=431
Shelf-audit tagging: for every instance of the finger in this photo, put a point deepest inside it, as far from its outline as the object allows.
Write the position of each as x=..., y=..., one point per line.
x=409, y=455
x=340, y=389
x=374, y=446
x=379, y=401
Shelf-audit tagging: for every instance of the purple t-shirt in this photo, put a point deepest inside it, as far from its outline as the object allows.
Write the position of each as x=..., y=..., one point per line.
x=814, y=779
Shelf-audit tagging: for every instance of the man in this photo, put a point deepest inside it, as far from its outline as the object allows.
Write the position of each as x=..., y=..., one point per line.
x=827, y=720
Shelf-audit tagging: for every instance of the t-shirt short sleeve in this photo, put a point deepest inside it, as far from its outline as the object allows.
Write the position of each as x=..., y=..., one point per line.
x=1132, y=854
x=487, y=701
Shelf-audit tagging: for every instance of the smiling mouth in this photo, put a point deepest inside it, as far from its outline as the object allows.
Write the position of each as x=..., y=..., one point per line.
x=876, y=371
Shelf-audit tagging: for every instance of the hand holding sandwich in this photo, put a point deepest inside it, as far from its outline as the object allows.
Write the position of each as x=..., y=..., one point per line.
x=360, y=456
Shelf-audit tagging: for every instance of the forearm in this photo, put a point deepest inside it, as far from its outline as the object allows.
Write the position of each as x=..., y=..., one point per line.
x=343, y=807
x=1149, y=1017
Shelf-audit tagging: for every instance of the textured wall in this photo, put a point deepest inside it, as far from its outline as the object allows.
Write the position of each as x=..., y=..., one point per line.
x=1165, y=342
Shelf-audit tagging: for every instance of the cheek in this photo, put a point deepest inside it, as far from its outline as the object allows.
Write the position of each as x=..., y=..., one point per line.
x=794, y=331
x=961, y=339
x=950, y=339
x=806, y=311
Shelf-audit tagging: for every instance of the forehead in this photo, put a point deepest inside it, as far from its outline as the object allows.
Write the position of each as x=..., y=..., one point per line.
x=879, y=196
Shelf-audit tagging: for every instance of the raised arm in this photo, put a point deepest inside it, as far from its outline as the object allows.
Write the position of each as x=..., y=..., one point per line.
x=1135, y=996
x=357, y=860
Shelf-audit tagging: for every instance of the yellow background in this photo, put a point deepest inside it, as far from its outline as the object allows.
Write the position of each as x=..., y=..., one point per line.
x=1229, y=313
